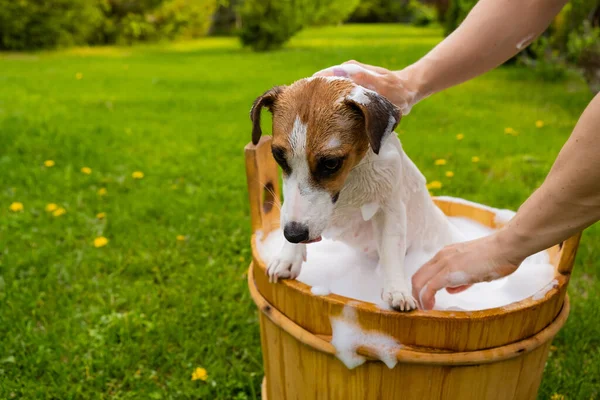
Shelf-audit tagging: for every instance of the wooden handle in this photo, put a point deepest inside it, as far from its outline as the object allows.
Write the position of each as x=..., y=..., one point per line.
x=264, y=190
x=568, y=251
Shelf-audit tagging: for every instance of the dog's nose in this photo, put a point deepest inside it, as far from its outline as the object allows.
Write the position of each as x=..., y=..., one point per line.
x=295, y=232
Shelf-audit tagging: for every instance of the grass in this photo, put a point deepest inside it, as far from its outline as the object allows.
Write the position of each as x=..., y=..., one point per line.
x=134, y=318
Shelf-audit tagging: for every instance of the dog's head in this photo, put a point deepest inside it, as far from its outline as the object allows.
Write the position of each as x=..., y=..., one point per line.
x=322, y=128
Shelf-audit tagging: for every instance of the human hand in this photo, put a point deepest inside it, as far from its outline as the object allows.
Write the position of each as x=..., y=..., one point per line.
x=396, y=86
x=458, y=266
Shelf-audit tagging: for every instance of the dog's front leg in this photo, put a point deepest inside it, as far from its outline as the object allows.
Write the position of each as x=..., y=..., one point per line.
x=391, y=227
x=288, y=262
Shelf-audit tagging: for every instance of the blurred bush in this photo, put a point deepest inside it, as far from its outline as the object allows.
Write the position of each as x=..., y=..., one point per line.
x=373, y=11
x=35, y=24
x=573, y=39
x=422, y=14
x=268, y=24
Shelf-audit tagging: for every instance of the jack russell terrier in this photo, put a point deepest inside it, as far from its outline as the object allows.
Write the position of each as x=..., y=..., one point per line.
x=346, y=177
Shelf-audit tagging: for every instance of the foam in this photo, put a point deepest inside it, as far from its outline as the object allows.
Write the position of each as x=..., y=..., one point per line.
x=348, y=336
x=334, y=267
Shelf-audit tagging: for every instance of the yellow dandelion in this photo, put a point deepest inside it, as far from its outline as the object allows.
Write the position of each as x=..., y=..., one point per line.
x=16, y=207
x=49, y=163
x=440, y=161
x=59, y=211
x=100, y=241
x=475, y=159
x=101, y=215
x=460, y=136
x=102, y=192
x=86, y=170
x=180, y=238
x=449, y=174
x=137, y=175
x=557, y=396
x=51, y=207
x=199, y=374
x=434, y=185
x=78, y=76
x=510, y=131
x=539, y=123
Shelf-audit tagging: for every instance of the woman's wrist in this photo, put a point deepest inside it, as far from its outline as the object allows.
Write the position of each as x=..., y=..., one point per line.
x=416, y=78
x=515, y=245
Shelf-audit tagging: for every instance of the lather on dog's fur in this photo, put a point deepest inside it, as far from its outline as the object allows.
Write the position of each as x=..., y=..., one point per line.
x=347, y=177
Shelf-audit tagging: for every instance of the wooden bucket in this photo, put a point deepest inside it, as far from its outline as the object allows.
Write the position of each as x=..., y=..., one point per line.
x=497, y=353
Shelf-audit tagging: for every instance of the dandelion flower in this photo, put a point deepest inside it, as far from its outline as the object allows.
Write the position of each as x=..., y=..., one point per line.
x=475, y=159
x=539, y=123
x=51, y=207
x=59, y=211
x=434, y=185
x=102, y=192
x=137, y=175
x=101, y=215
x=16, y=207
x=199, y=374
x=86, y=170
x=441, y=161
x=180, y=238
x=510, y=131
x=100, y=241
x=78, y=76
x=557, y=396
x=460, y=136
x=449, y=174
x=49, y=163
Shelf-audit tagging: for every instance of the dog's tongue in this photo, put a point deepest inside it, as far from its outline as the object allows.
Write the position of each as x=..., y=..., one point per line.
x=318, y=239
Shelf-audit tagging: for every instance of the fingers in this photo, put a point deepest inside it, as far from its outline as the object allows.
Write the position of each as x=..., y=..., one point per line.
x=373, y=68
x=424, y=274
x=457, y=289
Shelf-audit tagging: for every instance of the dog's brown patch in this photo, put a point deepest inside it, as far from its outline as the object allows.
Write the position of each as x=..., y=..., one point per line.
x=323, y=106
x=319, y=104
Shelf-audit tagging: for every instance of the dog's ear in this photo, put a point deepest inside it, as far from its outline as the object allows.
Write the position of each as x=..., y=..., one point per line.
x=380, y=116
x=267, y=99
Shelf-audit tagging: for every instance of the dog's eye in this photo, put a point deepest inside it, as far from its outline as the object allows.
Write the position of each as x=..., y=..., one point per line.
x=279, y=156
x=332, y=164
x=329, y=166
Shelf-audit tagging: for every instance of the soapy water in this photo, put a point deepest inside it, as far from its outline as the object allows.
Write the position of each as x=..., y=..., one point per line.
x=348, y=336
x=334, y=267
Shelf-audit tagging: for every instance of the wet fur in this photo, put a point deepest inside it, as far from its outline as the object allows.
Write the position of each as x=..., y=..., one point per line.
x=377, y=202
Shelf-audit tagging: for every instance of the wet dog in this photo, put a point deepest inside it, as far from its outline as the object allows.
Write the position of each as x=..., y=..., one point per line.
x=346, y=177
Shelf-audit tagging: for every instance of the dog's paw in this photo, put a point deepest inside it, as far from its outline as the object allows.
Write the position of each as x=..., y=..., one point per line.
x=399, y=300
x=287, y=264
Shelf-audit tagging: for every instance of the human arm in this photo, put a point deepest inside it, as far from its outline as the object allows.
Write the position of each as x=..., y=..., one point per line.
x=567, y=202
x=493, y=32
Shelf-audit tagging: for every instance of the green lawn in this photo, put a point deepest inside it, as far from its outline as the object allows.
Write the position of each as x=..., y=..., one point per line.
x=134, y=318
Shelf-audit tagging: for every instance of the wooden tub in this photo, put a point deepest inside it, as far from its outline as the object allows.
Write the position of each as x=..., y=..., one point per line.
x=497, y=353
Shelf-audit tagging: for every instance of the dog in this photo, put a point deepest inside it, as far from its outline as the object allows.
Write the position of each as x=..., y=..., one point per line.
x=346, y=177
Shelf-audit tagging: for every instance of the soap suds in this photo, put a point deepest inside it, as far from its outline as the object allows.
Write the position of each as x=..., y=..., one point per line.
x=526, y=41
x=320, y=290
x=359, y=95
x=354, y=273
x=348, y=336
x=542, y=292
x=369, y=210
